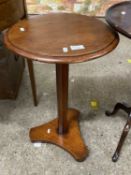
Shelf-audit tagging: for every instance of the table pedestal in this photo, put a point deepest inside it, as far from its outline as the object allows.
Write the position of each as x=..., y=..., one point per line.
x=64, y=130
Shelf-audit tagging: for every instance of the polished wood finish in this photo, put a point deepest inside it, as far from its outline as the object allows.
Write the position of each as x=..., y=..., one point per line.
x=119, y=17
x=54, y=35
x=30, y=65
x=12, y=11
x=32, y=80
x=62, y=96
x=70, y=141
x=43, y=39
x=65, y=128
x=120, y=106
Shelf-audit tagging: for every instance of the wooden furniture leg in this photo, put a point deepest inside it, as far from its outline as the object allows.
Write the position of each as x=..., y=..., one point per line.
x=64, y=130
x=32, y=80
x=126, y=129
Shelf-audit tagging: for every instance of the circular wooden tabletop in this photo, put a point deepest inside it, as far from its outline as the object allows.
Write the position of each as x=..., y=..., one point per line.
x=119, y=17
x=61, y=38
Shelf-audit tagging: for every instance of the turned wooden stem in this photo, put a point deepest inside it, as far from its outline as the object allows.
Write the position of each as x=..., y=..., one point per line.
x=62, y=71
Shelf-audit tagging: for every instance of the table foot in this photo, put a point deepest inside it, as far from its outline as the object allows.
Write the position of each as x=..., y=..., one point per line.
x=126, y=129
x=70, y=141
x=117, y=107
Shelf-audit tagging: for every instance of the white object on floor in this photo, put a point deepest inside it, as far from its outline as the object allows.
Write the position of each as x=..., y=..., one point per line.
x=37, y=145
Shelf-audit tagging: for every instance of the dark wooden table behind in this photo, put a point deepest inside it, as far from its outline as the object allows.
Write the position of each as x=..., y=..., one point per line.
x=119, y=17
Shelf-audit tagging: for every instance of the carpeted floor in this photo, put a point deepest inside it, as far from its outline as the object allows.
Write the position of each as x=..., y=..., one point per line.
x=106, y=80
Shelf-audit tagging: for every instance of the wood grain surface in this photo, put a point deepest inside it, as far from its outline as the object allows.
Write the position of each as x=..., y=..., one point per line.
x=71, y=141
x=45, y=36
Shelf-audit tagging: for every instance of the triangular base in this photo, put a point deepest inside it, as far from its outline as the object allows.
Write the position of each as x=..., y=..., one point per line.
x=71, y=141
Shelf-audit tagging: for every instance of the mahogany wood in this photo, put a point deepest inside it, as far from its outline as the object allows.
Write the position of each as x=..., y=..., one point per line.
x=62, y=96
x=118, y=16
x=120, y=106
x=12, y=11
x=54, y=35
x=122, y=139
x=32, y=80
x=43, y=39
x=70, y=141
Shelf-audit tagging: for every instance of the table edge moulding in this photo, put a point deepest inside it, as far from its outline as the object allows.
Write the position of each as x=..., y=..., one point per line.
x=50, y=34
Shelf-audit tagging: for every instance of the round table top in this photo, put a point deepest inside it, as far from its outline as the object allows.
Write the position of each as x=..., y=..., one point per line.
x=119, y=17
x=61, y=38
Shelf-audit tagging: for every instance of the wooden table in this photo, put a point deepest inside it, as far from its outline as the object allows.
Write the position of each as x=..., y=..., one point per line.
x=119, y=17
x=61, y=38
